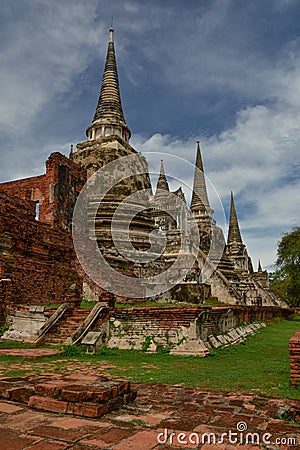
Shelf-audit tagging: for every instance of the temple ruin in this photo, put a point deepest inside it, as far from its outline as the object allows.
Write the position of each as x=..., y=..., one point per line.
x=38, y=263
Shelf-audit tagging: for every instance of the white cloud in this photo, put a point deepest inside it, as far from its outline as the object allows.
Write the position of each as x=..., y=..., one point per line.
x=258, y=158
x=12, y=162
x=40, y=57
x=279, y=208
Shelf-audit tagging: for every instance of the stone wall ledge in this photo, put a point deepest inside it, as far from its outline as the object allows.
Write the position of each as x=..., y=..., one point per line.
x=187, y=329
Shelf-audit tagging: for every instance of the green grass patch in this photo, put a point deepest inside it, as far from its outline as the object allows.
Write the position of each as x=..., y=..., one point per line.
x=138, y=422
x=288, y=416
x=15, y=344
x=72, y=350
x=258, y=365
x=16, y=373
x=53, y=306
x=3, y=328
x=213, y=302
x=83, y=304
x=87, y=304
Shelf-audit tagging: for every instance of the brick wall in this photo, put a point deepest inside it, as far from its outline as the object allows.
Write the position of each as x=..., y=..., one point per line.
x=130, y=326
x=182, y=315
x=56, y=191
x=39, y=259
x=166, y=317
x=294, y=346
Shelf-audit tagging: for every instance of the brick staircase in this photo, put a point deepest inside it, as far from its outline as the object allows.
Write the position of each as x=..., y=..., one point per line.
x=79, y=394
x=67, y=325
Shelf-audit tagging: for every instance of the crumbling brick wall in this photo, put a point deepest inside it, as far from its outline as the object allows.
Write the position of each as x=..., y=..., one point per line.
x=39, y=260
x=294, y=346
x=130, y=327
x=56, y=191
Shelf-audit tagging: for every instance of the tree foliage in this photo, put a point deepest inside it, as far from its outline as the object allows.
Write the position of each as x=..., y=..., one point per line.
x=286, y=280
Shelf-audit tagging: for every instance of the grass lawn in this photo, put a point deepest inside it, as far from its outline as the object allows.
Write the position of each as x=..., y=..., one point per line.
x=259, y=365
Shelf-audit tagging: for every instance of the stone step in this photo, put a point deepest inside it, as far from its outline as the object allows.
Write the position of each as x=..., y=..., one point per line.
x=72, y=320
x=78, y=394
x=67, y=325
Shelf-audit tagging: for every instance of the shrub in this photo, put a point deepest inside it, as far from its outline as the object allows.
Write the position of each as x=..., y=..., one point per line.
x=72, y=350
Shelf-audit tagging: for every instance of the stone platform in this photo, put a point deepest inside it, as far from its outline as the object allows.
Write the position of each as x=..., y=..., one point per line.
x=162, y=417
x=78, y=394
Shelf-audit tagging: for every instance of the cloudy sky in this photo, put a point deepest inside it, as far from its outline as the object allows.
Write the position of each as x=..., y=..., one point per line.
x=226, y=72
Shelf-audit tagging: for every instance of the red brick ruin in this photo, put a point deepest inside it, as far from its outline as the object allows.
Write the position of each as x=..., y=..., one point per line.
x=36, y=248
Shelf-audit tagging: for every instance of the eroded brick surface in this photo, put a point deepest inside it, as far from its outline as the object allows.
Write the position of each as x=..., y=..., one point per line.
x=49, y=445
x=8, y=408
x=294, y=346
x=33, y=255
x=38, y=255
x=11, y=441
x=58, y=433
x=85, y=396
x=23, y=421
x=143, y=440
x=163, y=417
x=48, y=404
x=158, y=409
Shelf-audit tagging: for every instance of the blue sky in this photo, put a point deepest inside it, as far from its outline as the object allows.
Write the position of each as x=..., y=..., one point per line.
x=226, y=72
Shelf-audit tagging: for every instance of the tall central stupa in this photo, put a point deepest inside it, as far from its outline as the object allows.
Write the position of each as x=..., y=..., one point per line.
x=107, y=141
x=108, y=135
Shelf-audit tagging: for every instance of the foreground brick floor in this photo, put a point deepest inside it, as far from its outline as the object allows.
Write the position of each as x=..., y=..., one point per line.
x=158, y=411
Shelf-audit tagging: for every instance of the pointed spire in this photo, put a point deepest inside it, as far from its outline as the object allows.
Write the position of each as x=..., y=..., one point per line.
x=200, y=197
x=259, y=269
x=110, y=101
x=234, y=234
x=71, y=152
x=162, y=182
x=111, y=34
x=109, y=117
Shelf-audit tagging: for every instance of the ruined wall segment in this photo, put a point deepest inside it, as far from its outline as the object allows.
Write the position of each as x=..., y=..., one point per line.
x=294, y=346
x=38, y=259
x=55, y=192
x=36, y=253
x=185, y=330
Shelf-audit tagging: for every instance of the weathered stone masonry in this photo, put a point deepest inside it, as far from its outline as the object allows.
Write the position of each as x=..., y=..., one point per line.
x=38, y=259
x=178, y=327
x=38, y=256
x=78, y=394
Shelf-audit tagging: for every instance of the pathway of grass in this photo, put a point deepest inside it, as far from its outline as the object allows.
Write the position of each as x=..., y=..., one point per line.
x=260, y=364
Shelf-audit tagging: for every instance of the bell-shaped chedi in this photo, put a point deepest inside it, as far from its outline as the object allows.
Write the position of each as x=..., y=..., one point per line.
x=109, y=118
x=108, y=135
x=119, y=189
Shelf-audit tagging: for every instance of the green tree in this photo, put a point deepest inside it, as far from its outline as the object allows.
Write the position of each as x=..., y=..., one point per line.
x=286, y=280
